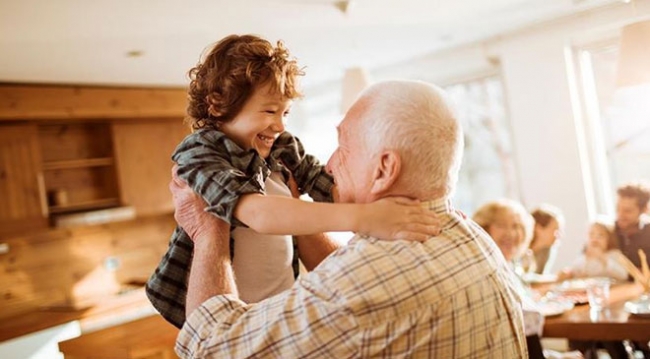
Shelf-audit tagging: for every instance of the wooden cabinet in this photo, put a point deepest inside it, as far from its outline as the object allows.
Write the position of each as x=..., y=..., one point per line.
x=22, y=202
x=78, y=166
x=143, y=152
x=70, y=149
x=65, y=168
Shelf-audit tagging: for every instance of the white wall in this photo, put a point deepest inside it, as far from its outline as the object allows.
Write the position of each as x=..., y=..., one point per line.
x=533, y=64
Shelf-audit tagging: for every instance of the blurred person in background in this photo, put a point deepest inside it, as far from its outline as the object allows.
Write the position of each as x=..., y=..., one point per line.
x=511, y=228
x=509, y=225
x=599, y=258
x=549, y=227
x=632, y=227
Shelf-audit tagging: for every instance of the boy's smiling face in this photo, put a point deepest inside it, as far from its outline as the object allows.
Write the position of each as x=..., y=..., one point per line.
x=260, y=121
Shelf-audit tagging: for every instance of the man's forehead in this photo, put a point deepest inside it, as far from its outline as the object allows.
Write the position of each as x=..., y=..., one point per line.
x=353, y=116
x=344, y=127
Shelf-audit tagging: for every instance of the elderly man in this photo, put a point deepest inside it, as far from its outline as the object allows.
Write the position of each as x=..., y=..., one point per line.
x=632, y=225
x=451, y=296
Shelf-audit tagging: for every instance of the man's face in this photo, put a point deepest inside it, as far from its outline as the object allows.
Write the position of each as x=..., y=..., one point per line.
x=350, y=165
x=627, y=212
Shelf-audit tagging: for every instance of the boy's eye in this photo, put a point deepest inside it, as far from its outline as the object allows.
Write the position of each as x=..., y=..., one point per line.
x=270, y=112
x=286, y=113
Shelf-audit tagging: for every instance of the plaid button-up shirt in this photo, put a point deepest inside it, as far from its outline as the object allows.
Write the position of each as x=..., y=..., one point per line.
x=452, y=296
x=220, y=171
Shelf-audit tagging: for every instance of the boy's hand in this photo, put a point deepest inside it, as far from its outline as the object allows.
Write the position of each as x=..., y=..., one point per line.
x=189, y=211
x=399, y=218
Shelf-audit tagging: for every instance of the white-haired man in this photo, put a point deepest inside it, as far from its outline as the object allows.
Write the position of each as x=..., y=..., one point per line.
x=448, y=297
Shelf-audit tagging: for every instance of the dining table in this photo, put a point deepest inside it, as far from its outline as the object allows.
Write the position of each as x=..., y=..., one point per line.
x=613, y=322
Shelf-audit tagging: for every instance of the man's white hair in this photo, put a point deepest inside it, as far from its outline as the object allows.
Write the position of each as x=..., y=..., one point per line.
x=414, y=119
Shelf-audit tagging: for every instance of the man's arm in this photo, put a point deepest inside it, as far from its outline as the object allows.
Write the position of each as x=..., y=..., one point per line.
x=211, y=272
x=312, y=249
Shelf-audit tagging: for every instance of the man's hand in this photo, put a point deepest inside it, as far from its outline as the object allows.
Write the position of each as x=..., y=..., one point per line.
x=189, y=210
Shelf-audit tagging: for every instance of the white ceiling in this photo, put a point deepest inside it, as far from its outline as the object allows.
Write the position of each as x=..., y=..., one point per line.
x=86, y=41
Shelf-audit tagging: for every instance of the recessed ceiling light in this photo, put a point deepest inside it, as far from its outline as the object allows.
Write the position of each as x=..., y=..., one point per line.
x=134, y=53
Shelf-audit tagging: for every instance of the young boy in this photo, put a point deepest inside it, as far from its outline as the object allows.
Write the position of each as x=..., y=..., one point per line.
x=240, y=159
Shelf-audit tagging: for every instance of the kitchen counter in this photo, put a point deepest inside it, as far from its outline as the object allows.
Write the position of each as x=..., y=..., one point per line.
x=105, y=313
x=149, y=337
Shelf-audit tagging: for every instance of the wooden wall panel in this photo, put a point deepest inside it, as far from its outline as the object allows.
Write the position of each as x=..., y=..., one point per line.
x=75, y=141
x=21, y=197
x=41, y=102
x=143, y=151
x=66, y=267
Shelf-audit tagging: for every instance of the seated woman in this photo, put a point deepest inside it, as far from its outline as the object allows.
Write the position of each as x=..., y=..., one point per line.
x=510, y=226
x=549, y=226
x=599, y=258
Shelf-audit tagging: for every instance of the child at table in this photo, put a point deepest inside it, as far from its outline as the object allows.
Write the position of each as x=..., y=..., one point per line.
x=599, y=258
x=242, y=162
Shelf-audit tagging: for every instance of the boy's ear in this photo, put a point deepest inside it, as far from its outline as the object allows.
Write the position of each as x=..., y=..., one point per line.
x=386, y=172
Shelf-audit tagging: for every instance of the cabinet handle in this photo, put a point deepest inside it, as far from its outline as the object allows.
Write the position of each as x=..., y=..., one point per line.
x=42, y=195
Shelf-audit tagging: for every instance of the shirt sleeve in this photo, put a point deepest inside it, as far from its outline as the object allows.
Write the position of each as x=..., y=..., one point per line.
x=309, y=173
x=206, y=161
x=299, y=323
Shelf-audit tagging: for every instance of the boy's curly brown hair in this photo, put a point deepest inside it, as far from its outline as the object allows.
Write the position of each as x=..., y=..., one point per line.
x=228, y=75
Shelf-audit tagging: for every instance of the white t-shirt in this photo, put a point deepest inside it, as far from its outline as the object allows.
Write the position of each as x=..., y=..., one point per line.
x=262, y=263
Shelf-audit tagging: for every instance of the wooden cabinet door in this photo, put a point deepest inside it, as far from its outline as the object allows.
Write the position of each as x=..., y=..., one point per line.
x=143, y=152
x=22, y=201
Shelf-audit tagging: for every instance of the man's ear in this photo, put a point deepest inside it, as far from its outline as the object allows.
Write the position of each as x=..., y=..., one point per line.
x=386, y=172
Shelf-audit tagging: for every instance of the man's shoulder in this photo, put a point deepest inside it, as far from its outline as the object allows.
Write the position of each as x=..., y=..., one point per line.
x=456, y=257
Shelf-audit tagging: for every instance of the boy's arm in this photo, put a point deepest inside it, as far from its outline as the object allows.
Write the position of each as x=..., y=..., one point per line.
x=389, y=218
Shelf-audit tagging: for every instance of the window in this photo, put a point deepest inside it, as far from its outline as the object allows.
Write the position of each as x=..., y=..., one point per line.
x=488, y=168
x=616, y=125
